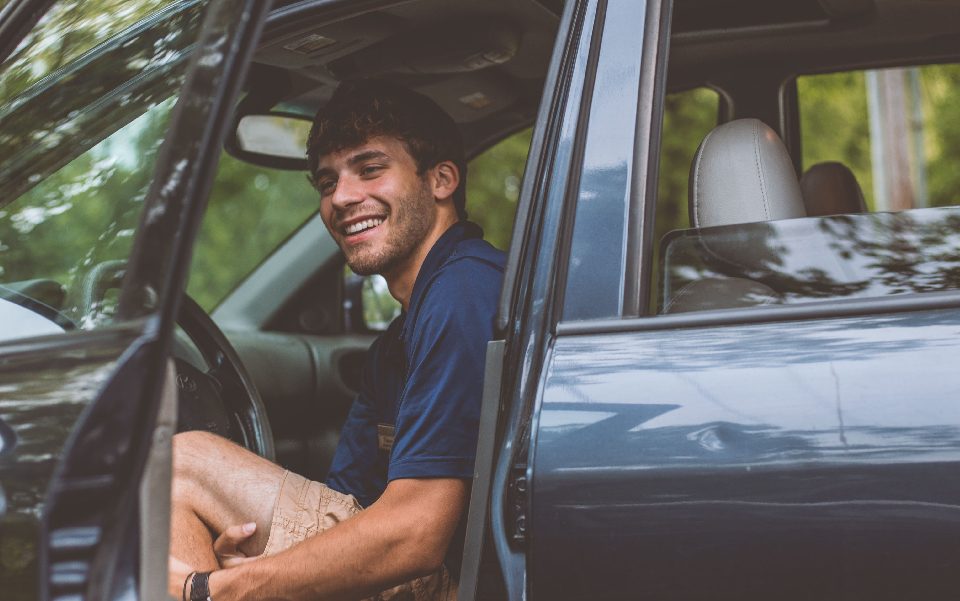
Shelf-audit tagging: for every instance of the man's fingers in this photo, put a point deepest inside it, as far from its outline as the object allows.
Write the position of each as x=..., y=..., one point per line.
x=227, y=543
x=236, y=560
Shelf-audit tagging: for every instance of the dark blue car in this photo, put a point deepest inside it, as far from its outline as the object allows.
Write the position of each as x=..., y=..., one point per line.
x=726, y=363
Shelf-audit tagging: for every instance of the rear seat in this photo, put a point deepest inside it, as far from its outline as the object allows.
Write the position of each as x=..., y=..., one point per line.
x=831, y=188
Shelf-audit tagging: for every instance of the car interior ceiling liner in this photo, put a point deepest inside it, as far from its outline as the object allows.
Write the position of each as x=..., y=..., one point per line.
x=445, y=48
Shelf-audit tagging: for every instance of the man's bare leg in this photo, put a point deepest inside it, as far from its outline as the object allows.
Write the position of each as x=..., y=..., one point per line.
x=217, y=484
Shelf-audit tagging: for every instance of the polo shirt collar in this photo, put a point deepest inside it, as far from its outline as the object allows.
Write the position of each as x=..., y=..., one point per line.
x=442, y=249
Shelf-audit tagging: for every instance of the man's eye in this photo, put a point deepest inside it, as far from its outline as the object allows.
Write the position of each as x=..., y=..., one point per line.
x=326, y=186
x=368, y=170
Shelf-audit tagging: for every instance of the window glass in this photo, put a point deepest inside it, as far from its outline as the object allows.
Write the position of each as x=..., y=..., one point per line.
x=66, y=240
x=688, y=117
x=898, y=130
x=70, y=29
x=792, y=261
x=77, y=152
x=251, y=211
x=493, y=187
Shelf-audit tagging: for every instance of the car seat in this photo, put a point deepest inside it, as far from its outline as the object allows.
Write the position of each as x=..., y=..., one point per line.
x=831, y=188
x=741, y=173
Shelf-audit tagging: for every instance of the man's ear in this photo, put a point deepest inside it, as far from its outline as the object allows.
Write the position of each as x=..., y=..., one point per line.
x=445, y=178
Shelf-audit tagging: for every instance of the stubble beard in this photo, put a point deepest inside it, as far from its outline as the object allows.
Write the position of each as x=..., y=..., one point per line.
x=409, y=223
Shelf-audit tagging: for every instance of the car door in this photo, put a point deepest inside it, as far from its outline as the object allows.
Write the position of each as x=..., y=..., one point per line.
x=113, y=117
x=804, y=449
x=593, y=145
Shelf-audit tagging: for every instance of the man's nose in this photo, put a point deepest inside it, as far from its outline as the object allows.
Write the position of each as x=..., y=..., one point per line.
x=348, y=192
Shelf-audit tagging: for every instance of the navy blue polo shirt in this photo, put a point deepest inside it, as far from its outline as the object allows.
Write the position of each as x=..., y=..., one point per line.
x=418, y=411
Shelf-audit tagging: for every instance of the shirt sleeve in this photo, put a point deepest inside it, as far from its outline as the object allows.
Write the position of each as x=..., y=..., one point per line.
x=439, y=414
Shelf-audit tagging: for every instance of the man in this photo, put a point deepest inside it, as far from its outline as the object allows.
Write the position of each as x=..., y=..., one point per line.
x=390, y=169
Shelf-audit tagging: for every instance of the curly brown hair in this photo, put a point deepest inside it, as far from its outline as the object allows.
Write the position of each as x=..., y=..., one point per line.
x=363, y=109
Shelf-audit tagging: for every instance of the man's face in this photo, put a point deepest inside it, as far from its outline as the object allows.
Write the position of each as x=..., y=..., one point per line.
x=375, y=205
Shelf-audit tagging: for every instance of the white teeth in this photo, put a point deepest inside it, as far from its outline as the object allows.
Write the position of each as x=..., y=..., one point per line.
x=362, y=225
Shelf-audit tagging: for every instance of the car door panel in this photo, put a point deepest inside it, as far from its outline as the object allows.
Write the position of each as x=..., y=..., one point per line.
x=46, y=386
x=792, y=460
x=307, y=384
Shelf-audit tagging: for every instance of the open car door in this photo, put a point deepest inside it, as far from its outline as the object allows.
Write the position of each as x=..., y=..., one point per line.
x=111, y=120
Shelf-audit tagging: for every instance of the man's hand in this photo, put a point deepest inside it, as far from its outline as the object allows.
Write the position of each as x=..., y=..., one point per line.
x=227, y=545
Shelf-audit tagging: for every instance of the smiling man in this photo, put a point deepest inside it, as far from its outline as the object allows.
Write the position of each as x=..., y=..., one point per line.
x=390, y=169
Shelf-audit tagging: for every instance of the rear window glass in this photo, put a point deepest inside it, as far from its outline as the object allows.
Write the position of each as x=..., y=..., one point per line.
x=898, y=130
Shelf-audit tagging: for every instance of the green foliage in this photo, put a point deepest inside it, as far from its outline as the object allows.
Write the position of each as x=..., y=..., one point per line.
x=250, y=212
x=940, y=85
x=688, y=118
x=84, y=214
x=493, y=187
x=835, y=124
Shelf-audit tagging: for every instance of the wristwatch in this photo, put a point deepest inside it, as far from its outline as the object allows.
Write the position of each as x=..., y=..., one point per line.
x=200, y=587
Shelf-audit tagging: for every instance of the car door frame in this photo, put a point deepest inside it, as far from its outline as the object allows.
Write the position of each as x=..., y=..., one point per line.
x=589, y=45
x=91, y=517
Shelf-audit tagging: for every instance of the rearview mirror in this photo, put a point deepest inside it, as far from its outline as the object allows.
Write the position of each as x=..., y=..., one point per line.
x=273, y=140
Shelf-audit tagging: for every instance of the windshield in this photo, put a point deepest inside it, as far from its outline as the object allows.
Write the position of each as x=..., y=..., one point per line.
x=78, y=143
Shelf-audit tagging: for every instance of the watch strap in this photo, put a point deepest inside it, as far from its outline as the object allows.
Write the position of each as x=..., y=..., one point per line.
x=200, y=587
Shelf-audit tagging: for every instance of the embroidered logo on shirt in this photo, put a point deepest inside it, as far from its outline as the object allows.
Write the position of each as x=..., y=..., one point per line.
x=385, y=436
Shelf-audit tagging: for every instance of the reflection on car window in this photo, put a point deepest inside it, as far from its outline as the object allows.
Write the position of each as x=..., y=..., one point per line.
x=75, y=229
x=794, y=261
x=77, y=151
x=892, y=132
x=70, y=29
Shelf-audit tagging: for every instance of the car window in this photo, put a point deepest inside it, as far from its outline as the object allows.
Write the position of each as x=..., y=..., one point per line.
x=77, y=151
x=251, y=211
x=890, y=133
x=85, y=25
x=898, y=130
x=493, y=187
x=687, y=117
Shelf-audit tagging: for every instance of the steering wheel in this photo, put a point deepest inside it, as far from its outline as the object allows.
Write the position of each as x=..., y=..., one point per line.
x=223, y=399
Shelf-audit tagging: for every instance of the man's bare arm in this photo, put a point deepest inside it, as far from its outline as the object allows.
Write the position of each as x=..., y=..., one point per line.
x=402, y=535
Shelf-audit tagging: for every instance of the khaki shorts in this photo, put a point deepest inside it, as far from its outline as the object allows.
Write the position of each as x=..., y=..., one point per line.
x=305, y=508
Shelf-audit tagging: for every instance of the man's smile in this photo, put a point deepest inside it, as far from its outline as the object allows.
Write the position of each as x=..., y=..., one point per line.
x=360, y=228
x=356, y=228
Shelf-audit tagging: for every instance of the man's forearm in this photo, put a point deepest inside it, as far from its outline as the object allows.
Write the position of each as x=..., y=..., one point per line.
x=398, y=538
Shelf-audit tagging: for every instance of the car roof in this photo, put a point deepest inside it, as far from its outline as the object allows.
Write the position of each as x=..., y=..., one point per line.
x=485, y=61
x=713, y=37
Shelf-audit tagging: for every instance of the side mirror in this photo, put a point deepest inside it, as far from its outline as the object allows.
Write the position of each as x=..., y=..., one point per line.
x=277, y=140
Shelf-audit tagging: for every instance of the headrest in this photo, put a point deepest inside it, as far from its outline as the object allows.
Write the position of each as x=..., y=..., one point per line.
x=831, y=189
x=742, y=173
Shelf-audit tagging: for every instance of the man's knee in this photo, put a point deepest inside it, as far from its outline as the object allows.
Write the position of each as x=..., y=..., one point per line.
x=195, y=455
